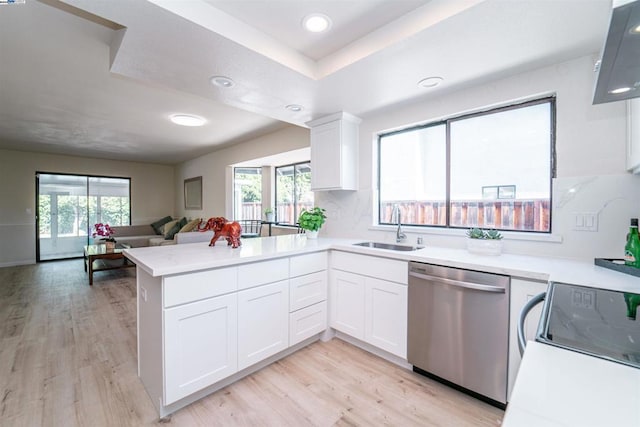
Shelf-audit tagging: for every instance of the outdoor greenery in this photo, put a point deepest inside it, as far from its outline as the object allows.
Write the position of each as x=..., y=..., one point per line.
x=72, y=218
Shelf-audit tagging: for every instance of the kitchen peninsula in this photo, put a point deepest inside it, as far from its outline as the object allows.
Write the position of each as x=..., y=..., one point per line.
x=208, y=316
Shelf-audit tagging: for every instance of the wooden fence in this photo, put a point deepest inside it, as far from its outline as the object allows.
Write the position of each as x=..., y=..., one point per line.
x=520, y=215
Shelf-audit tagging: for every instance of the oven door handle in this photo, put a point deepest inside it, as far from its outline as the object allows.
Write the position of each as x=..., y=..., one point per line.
x=522, y=340
x=458, y=283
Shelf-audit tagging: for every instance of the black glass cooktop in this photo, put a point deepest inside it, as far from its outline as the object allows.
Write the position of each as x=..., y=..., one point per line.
x=594, y=321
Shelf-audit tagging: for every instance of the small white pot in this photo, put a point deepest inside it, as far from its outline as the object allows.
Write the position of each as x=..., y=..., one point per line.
x=311, y=234
x=269, y=217
x=484, y=246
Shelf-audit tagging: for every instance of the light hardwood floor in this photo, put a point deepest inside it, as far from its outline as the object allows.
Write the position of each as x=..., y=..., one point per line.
x=68, y=358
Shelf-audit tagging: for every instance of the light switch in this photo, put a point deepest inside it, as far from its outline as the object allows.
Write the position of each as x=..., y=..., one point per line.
x=585, y=221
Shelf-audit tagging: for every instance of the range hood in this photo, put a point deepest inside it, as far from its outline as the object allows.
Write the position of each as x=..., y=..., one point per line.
x=619, y=66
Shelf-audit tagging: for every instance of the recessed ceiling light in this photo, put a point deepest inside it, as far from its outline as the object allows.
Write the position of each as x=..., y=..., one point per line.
x=187, y=120
x=620, y=90
x=316, y=22
x=636, y=29
x=430, y=82
x=294, y=107
x=222, y=81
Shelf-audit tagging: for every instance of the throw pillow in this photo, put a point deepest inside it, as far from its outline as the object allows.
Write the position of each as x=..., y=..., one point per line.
x=190, y=226
x=157, y=226
x=168, y=226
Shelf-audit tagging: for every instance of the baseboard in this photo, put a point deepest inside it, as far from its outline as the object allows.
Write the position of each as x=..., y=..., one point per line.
x=16, y=263
x=374, y=350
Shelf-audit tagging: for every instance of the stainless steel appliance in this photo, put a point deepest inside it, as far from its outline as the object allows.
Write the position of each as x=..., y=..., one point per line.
x=597, y=322
x=459, y=328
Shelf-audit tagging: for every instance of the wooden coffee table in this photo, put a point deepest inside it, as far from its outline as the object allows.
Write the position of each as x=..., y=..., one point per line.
x=99, y=258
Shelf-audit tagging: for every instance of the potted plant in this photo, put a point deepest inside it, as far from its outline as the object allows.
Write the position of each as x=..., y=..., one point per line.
x=311, y=221
x=268, y=214
x=484, y=242
x=105, y=232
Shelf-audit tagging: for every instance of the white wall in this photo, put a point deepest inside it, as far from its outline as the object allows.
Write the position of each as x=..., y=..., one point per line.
x=590, y=146
x=216, y=174
x=152, y=194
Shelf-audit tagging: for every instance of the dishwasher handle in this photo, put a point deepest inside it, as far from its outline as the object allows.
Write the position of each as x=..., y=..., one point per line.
x=522, y=341
x=458, y=283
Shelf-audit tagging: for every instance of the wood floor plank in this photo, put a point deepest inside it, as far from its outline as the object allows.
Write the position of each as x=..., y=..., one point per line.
x=68, y=358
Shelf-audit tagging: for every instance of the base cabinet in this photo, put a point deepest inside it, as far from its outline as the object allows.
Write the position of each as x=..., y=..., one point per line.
x=263, y=322
x=347, y=303
x=200, y=345
x=521, y=292
x=367, y=308
x=386, y=316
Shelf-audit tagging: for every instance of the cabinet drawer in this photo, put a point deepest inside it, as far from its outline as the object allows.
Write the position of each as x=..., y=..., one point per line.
x=184, y=288
x=380, y=268
x=307, y=290
x=260, y=273
x=307, y=322
x=306, y=264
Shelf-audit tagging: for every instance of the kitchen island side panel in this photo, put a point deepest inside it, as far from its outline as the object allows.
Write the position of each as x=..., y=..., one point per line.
x=150, y=323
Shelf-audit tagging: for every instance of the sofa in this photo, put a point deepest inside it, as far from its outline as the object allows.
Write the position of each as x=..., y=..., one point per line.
x=134, y=235
x=171, y=233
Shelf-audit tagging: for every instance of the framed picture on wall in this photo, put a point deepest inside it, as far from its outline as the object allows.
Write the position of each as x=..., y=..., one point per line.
x=193, y=193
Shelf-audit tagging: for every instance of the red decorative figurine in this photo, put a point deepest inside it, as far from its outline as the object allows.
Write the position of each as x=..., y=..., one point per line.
x=221, y=228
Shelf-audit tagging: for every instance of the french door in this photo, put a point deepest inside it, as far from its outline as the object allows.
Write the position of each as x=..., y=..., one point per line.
x=68, y=206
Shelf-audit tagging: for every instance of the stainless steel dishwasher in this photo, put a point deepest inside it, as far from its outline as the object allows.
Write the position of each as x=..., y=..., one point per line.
x=459, y=328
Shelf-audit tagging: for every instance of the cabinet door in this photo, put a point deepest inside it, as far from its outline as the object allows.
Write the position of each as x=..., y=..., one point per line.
x=521, y=292
x=263, y=322
x=386, y=316
x=347, y=303
x=200, y=345
x=326, y=156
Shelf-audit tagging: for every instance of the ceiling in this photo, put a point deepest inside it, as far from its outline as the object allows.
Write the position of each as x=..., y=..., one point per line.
x=101, y=78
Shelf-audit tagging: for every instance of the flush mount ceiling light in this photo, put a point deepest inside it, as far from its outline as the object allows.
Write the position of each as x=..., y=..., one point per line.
x=222, y=81
x=316, y=23
x=430, y=82
x=636, y=29
x=294, y=107
x=187, y=120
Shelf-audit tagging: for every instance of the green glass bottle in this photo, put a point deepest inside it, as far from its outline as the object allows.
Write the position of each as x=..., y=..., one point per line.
x=632, y=248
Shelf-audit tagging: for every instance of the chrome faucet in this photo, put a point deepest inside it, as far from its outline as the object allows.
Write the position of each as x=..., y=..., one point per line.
x=400, y=236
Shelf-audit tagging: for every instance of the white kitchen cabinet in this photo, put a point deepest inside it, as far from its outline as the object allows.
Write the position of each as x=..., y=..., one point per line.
x=521, y=292
x=347, y=303
x=307, y=322
x=334, y=152
x=263, y=322
x=200, y=345
x=633, y=135
x=386, y=316
x=307, y=290
x=365, y=306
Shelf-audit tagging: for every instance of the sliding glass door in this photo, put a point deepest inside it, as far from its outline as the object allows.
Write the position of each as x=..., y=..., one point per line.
x=69, y=205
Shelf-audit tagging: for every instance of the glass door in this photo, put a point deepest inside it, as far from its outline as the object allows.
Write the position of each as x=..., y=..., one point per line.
x=61, y=216
x=68, y=207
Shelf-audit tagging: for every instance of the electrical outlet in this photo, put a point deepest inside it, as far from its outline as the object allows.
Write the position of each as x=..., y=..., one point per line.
x=585, y=221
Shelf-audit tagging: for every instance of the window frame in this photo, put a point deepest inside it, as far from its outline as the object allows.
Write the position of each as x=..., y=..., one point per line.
x=550, y=99
x=295, y=185
x=235, y=202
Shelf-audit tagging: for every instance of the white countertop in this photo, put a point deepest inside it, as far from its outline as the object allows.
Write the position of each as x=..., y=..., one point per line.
x=175, y=259
x=562, y=388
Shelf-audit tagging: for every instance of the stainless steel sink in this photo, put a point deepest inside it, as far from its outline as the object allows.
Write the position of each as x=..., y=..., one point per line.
x=389, y=246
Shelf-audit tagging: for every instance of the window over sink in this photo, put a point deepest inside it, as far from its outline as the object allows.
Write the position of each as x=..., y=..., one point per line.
x=491, y=169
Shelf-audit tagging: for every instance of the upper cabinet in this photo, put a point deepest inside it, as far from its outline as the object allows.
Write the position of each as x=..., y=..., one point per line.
x=633, y=136
x=334, y=152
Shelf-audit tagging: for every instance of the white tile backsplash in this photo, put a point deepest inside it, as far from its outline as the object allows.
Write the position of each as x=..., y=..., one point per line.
x=614, y=198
